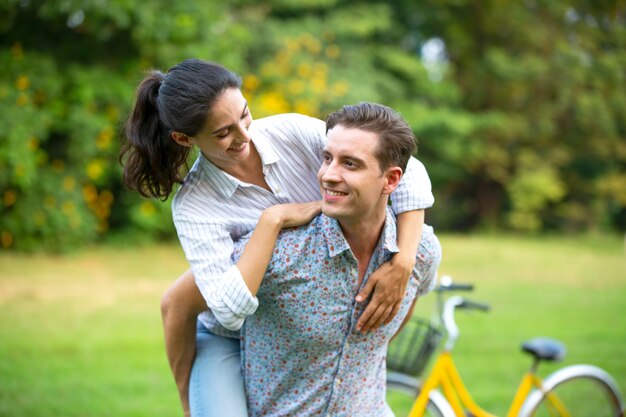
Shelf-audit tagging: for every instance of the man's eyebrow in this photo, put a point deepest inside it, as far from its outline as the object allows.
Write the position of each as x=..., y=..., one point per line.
x=245, y=107
x=353, y=158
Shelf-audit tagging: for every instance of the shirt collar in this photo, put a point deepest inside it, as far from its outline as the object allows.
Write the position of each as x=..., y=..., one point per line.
x=227, y=184
x=337, y=242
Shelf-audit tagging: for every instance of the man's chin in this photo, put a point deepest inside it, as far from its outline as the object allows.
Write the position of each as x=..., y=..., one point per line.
x=331, y=212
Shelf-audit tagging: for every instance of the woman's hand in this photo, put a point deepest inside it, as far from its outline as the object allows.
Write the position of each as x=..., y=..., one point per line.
x=292, y=215
x=389, y=284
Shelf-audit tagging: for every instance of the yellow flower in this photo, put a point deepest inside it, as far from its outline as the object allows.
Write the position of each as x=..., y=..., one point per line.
x=319, y=84
x=333, y=52
x=305, y=107
x=9, y=198
x=106, y=197
x=68, y=208
x=22, y=100
x=292, y=44
x=95, y=169
x=321, y=68
x=33, y=144
x=103, y=141
x=22, y=82
x=313, y=45
x=69, y=183
x=305, y=70
x=90, y=194
x=113, y=113
x=147, y=209
x=7, y=239
x=102, y=211
x=273, y=103
x=295, y=87
x=340, y=88
x=251, y=82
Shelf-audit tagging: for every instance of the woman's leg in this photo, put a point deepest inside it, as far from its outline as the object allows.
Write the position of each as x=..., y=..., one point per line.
x=216, y=386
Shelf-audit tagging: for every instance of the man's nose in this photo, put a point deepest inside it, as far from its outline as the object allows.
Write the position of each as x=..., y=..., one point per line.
x=331, y=173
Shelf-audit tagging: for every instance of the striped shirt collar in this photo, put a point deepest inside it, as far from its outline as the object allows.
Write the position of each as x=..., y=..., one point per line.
x=228, y=184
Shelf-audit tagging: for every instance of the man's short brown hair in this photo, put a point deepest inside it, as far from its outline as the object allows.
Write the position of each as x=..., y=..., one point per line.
x=397, y=141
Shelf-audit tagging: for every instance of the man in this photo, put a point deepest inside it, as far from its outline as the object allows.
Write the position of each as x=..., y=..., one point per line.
x=302, y=354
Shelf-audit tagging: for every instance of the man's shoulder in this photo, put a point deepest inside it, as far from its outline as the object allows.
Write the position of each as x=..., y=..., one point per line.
x=313, y=228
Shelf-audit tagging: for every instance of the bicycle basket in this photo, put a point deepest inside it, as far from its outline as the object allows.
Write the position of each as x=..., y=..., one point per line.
x=410, y=351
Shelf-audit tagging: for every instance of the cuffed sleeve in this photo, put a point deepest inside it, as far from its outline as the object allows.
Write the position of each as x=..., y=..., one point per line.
x=233, y=302
x=208, y=248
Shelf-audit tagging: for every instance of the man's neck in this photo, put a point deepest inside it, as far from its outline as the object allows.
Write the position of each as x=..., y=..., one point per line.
x=362, y=237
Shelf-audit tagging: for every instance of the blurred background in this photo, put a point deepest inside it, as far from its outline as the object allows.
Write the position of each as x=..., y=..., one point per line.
x=519, y=107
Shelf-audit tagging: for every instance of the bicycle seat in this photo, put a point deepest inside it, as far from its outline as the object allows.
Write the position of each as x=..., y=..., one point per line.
x=545, y=348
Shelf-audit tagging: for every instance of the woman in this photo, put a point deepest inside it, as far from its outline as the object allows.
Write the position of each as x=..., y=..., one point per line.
x=245, y=178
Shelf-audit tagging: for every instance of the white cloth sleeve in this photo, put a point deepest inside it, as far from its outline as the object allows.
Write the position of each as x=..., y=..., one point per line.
x=414, y=192
x=209, y=248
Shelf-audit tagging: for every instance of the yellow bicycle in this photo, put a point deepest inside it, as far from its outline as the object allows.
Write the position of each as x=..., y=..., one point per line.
x=572, y=391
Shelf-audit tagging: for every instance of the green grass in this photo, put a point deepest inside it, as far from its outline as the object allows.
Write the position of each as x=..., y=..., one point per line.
x=571, y=289
x=80, y=335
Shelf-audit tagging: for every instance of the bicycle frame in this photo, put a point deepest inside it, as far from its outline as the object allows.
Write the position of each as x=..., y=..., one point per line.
x=445, y=374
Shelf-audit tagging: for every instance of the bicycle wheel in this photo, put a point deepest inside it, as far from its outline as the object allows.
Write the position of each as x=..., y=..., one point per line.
x=582, y=390
x=402, y=391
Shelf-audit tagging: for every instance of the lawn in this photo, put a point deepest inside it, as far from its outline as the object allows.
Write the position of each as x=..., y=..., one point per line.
x=80, y=335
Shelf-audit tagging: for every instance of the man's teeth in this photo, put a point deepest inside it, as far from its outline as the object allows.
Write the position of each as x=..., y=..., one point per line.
x=334, y=193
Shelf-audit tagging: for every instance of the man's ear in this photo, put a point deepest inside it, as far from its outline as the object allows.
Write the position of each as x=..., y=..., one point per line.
x=182, y=139
x=392, y=178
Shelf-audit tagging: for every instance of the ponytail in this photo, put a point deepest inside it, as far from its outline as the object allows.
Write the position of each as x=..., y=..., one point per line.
x=179, y=101
x=151, y=159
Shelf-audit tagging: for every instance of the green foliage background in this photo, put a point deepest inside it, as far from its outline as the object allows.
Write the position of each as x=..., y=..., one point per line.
x=521, y=119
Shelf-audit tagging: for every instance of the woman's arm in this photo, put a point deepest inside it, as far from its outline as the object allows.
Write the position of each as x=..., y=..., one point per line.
x=389, y=282
x=183, y=302
x=259, y=249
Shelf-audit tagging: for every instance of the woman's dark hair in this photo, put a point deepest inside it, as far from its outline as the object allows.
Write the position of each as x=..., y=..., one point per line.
x=396, y=142
x=177, y=101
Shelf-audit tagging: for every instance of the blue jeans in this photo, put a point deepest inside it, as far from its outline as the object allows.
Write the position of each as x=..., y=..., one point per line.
x=216, y=386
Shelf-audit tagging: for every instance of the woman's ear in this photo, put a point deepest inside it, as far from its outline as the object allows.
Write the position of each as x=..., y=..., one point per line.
x=182, y=139
x=392, y=177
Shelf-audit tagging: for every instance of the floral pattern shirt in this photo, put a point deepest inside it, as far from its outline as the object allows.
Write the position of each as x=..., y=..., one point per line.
x=301, y=353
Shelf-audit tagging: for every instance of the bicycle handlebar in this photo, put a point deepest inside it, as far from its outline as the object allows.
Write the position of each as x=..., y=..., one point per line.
x=448, y=285
x=448, y=316
x=472, y=305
